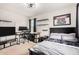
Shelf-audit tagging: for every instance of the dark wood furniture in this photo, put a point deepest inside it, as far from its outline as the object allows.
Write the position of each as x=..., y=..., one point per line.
x=36, y=36
x=77, y=21
x=42, y=38
x=63, y=30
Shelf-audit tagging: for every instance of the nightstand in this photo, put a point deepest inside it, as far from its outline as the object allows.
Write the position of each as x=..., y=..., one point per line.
x=42, y=38
x=36, y=36
x=77, y=44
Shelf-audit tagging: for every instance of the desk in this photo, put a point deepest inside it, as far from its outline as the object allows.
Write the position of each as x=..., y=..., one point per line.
x=23, y=35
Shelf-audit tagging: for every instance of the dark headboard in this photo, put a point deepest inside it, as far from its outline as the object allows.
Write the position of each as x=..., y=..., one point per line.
x=5, y=31
x=63, y=30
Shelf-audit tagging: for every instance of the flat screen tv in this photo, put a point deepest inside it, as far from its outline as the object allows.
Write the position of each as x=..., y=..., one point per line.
x=6, y=31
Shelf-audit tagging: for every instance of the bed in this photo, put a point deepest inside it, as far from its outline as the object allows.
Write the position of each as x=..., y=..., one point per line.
x=57, y=43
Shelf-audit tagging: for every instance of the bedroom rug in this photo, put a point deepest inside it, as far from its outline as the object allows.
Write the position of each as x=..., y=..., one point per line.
x=21, y=49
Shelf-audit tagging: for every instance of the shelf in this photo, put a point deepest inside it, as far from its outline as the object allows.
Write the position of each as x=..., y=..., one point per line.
x=5, y=21
x=42, y=20
x=42, y=24
x=45, y=30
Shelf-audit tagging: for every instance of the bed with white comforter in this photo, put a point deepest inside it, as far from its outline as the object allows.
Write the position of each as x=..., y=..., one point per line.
x=53, y=48
x=56, y=44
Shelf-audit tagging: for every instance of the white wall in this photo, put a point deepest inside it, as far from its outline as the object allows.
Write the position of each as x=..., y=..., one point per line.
x=61, y=11
x=17, y=19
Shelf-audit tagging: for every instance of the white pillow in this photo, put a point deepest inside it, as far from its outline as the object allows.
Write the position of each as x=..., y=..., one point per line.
x=55, y=36
x=64, y=36
x=69, y=37
x=74, y=34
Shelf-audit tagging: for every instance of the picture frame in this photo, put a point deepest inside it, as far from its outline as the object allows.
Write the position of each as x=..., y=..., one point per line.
x=62, y=20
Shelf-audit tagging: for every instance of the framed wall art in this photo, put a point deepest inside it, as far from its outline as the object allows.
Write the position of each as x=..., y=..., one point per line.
x=62, y=20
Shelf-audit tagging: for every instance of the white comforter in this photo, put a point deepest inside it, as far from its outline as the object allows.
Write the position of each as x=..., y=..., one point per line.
x=53, y=48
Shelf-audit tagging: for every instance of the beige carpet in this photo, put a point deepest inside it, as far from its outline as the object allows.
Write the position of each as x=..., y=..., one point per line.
x=21, y=49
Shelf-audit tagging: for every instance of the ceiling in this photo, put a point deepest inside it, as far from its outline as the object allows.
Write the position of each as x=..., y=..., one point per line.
x=40, y=8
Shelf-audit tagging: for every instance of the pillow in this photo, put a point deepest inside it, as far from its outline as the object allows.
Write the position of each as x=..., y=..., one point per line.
x=55, y=36
x=74, y=34
x=64, y=36
x=69, y=37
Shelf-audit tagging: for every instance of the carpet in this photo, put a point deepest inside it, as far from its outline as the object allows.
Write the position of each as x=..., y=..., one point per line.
x=21, y=49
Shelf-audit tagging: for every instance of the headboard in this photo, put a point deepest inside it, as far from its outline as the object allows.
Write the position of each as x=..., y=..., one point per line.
x=5, y=31
x=63, y=30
